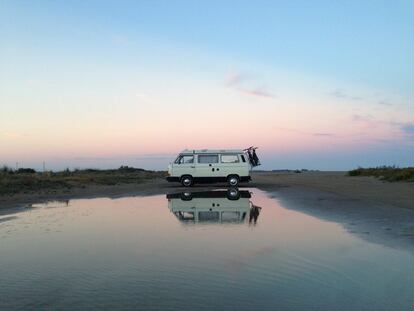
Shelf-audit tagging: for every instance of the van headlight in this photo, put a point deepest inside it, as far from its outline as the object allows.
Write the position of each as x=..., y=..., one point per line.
x=169, y=169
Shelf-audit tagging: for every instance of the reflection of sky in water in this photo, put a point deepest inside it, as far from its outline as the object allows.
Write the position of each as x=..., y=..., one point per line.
x=136, y=253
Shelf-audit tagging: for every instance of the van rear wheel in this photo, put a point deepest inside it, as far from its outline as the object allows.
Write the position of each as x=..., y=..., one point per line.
x=187, y=180
x=233, y=180
x=233, y=194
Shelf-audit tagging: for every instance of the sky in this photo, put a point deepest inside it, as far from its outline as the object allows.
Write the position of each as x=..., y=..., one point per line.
x=323, y=85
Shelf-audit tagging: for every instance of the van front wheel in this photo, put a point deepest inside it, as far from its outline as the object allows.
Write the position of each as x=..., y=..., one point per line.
x=187, y=180
x=233, y=180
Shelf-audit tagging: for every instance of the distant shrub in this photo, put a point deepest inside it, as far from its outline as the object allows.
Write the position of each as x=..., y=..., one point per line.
x=25, y=171
x=388, y=173
x=6, y=169
x=89, y=170
x=130, y=169
x=26, y=180
x=356, y=172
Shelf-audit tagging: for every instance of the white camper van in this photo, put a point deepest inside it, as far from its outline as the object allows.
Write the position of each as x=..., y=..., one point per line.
x=231, y=166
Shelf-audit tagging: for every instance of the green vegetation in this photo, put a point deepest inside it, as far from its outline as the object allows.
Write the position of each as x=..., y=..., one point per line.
x=388, y=173
x=28, y=180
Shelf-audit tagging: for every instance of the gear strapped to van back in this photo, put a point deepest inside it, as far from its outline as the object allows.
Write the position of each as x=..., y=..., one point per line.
x=251, y=153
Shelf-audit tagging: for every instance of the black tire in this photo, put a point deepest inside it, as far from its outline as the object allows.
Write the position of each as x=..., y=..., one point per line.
x=233, y=194
x=233, y=180
x=186, y=196
x=187, y=180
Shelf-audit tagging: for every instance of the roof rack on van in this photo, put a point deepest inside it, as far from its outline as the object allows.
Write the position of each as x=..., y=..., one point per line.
x=253, y=158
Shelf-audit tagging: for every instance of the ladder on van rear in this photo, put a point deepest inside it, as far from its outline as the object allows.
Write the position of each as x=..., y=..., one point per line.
x=253, y=158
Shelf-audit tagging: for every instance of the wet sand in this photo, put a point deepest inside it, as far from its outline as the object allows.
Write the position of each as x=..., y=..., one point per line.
x=369, y=189
x=377, y=211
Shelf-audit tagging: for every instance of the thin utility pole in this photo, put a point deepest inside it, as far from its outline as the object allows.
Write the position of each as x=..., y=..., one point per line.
x=44, y=166
x=17, y=166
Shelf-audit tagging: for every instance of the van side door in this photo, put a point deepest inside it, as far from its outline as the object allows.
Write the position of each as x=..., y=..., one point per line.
x=207, y=165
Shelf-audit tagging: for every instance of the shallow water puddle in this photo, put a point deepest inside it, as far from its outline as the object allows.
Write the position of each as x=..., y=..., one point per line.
x=195, y=251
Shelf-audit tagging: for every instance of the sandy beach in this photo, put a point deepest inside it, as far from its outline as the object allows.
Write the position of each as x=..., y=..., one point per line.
x=368, y=189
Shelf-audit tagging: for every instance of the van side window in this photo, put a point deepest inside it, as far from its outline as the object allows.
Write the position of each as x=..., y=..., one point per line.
x=185, y=159
x=242, y=157
x=208, y=158
x=229, y=158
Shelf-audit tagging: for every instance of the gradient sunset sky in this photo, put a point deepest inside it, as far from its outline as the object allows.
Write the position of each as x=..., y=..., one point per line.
x=313, y=84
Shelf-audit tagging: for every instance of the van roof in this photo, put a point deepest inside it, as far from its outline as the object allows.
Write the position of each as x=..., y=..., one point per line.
x=205, y=151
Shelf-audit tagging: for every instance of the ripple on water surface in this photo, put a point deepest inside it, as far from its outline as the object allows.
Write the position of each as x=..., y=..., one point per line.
x=200, y=250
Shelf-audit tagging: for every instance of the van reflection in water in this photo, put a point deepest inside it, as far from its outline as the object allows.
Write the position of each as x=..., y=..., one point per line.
x=221, y=206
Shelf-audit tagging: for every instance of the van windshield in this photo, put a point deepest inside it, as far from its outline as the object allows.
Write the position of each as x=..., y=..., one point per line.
x=182, y=159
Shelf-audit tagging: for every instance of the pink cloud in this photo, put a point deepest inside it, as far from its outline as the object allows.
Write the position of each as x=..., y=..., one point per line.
x=12, y=134
x=235, y=80
x=256, y=92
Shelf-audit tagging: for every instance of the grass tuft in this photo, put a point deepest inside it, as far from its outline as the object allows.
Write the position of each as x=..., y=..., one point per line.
x=388, y=173
x=28, y=180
